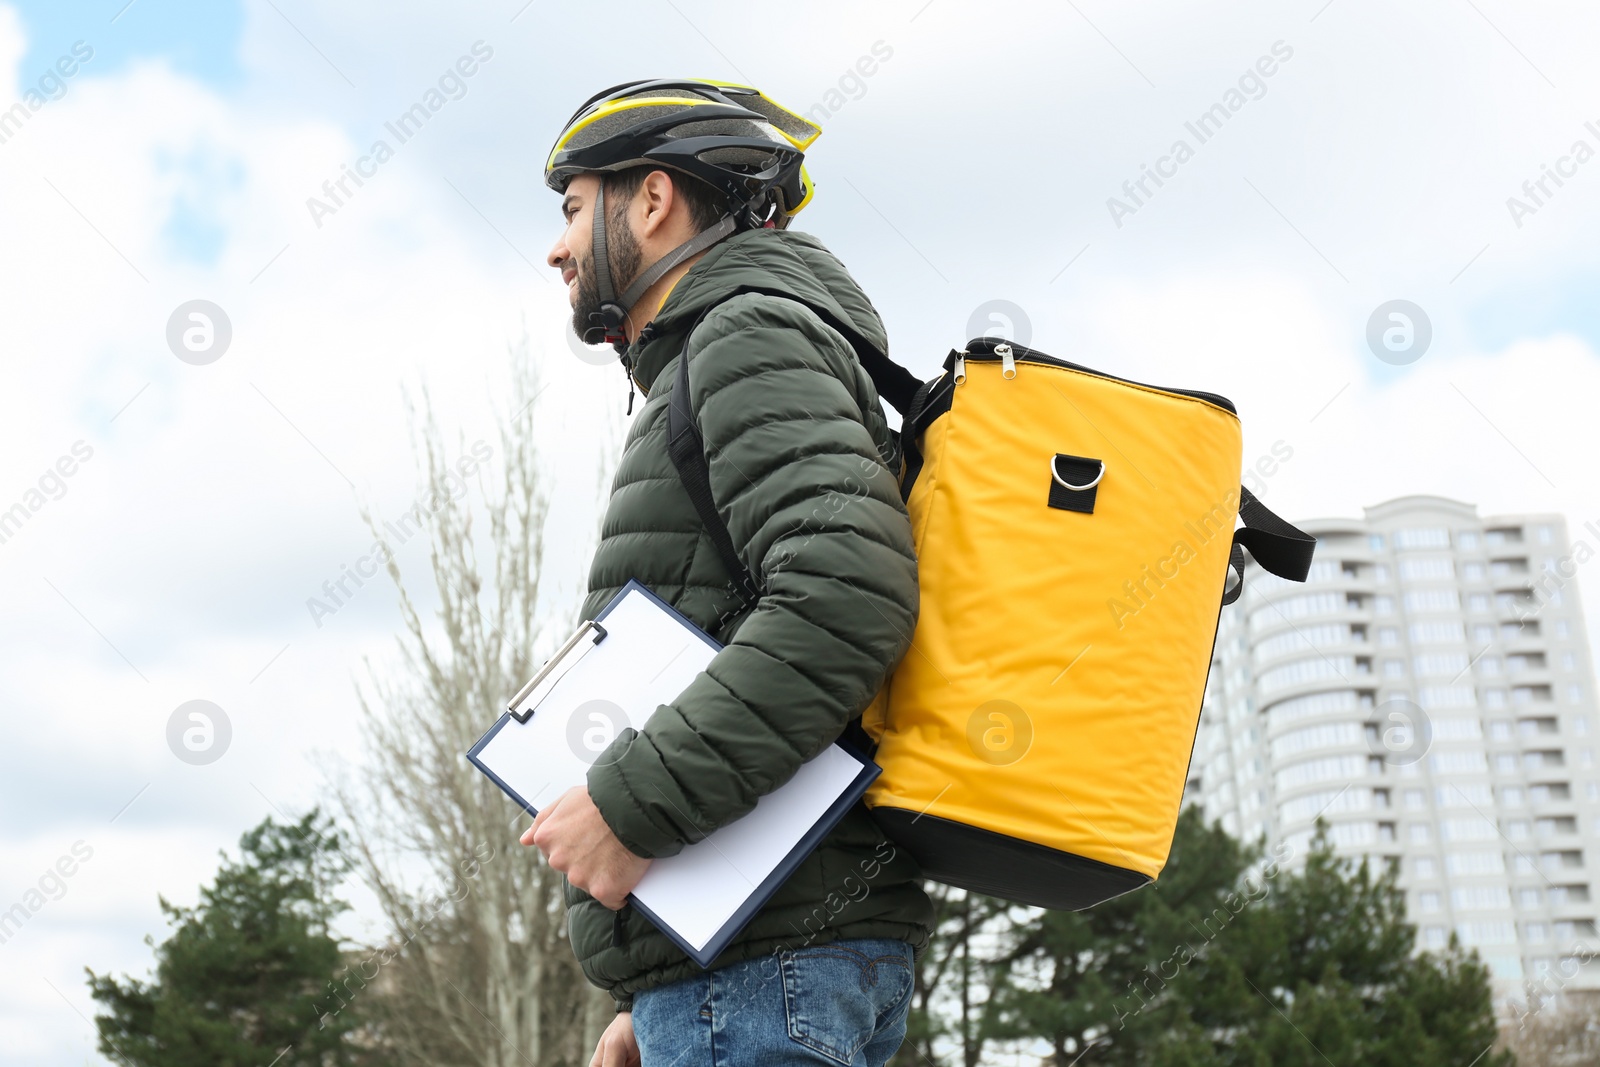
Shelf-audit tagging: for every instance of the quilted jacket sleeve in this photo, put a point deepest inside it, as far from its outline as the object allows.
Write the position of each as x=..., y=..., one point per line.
x=818, y=519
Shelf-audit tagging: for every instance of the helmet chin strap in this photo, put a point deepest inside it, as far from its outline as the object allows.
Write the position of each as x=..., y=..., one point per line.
x=608, y=321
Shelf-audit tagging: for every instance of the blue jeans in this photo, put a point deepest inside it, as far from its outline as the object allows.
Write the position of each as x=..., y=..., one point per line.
x=842, y=1004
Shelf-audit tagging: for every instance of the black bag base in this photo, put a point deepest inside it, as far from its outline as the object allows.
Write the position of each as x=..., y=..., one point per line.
x=982, y=861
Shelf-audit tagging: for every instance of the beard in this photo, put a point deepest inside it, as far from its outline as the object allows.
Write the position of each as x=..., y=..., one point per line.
x=625, y=256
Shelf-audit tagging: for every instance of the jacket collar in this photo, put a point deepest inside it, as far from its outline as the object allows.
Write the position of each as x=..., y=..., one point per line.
x=774, y=259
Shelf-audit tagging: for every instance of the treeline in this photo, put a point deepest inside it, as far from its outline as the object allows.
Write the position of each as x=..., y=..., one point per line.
x=1232, y=958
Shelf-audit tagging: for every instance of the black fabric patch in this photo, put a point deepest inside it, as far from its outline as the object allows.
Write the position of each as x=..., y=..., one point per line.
x=1077, y=470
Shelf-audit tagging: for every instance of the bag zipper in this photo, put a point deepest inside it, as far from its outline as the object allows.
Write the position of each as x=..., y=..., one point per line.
x=1008, y=361
x=1009, y=354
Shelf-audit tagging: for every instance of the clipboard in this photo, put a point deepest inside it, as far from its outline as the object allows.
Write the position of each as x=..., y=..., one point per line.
x=635, y=655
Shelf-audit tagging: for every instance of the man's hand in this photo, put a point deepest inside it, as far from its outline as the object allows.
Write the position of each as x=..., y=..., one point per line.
x=617, y=1048
x=574, y=837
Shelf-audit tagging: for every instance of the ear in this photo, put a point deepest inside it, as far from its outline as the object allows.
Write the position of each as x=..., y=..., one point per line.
x=655, y=202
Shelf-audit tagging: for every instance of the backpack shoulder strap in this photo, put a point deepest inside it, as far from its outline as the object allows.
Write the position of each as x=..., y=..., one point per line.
x=688, y=452
x=893, y=382
x=1280, y=547
x=686, y=446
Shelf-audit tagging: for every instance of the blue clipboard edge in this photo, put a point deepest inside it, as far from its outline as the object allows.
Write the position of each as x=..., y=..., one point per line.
x=472, y=758
x=771, y=884
x=758, y=899
x=634, y=585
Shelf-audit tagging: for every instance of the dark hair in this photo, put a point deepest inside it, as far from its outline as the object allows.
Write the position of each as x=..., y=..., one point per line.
x=706, y=205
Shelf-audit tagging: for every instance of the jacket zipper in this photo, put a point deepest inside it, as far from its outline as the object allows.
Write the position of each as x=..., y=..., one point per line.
x=1010, y=354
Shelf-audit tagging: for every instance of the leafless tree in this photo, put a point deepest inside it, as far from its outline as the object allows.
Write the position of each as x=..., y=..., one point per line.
x=1557, y=1031
x=476, y=968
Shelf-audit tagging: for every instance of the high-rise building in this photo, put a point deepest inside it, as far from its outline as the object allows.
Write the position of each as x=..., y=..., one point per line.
x=1429, y=692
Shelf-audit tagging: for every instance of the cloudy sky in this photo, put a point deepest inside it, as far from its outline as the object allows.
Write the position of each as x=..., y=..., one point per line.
x=972, y=153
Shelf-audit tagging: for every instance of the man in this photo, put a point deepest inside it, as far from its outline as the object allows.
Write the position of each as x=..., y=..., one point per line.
x=677, y=193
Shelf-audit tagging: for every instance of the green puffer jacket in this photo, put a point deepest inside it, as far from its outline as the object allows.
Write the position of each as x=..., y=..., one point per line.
x=800, y=457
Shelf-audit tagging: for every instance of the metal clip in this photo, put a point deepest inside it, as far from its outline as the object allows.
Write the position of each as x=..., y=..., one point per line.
x=545, y=672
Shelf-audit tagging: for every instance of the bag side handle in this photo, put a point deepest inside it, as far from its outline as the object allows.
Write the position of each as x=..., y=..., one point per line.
x=1280, y=547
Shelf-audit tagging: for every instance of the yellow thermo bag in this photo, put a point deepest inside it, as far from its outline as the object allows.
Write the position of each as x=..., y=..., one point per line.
x=1074, y=533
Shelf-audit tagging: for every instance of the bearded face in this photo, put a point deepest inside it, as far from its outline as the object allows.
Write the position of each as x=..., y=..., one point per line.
x=624, y=257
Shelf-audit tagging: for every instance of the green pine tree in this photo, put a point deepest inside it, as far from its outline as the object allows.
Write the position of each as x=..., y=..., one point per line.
x=244, y=978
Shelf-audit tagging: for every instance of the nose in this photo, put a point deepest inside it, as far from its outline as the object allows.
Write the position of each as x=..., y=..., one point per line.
x=559, y=253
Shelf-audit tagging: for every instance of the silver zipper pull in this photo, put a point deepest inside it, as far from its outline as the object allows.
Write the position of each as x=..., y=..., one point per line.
x=961, y=367
x=1008, y=362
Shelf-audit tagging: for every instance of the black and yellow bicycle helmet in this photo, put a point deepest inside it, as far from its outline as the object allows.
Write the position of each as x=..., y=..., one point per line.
x=742, y=144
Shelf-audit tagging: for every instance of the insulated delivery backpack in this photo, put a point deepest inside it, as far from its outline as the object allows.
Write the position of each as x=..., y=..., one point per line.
x=1074, y=535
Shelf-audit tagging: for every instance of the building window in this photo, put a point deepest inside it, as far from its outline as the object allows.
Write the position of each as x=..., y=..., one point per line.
x=1568, y=661
x=1417, y=799
x=1421, y=537
x=1537, y=933
x=1432, y=600
x=1480, y=898
x=1375, y=542
x=1500, y=730
x=1528, y=898
x=1383, y=605
x=1427, y=903
x=1424, y=867
x=1434, y=937
x=1494, y=698
x=1388, y=635
x=1427, y=568
x=1545, y=534
x=1511, y=796
x=1562, y=629
x=1380, y=572
x=1421, y=833
x=1472, y=572
x=1478, y=603
x=1467, y=540
x=1505, y=763
x=1542, y=758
